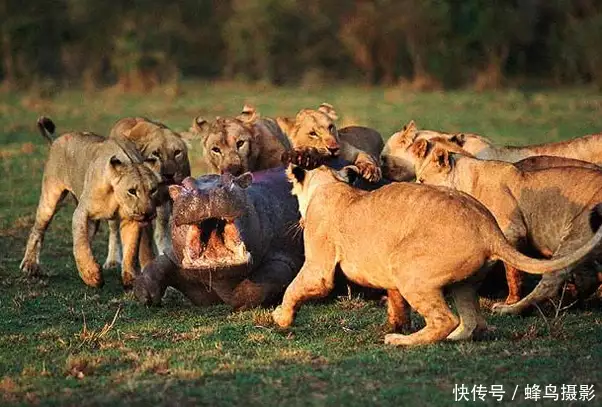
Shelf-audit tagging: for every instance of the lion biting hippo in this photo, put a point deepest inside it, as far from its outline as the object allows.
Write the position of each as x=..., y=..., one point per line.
x=234, y=241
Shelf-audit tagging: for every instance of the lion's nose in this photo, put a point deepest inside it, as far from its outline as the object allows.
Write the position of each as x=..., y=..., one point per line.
x=333, y=150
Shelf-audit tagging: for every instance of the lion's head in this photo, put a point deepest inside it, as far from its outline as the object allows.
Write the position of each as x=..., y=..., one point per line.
x=313, y=128
x=229, y=145
x=135, y=187
x=306, y=182
x=434, y=160
x=162, y=148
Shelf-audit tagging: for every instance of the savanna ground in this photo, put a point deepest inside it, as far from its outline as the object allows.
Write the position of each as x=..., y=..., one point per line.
x=62, y=343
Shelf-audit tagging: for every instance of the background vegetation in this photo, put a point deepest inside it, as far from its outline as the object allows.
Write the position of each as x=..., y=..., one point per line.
x=135, y=44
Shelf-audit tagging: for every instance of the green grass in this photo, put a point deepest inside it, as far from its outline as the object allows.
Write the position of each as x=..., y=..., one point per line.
x=58, y=345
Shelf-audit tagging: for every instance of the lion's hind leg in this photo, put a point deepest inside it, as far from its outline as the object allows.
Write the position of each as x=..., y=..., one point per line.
x=440, y=321
x=467, y=305
x=53, y=192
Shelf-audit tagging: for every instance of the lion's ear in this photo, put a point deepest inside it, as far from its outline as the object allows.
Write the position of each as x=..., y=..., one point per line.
x=459, y=139
x=409, y=132
x=348, y=174
x=243, y=180
x=249, y=114
x=115, y=164
x=140, y=130
x=175, y=191
x=329, y=111
x=441, y=157
x=420, y=148
x=200, y=126
x=286, y=125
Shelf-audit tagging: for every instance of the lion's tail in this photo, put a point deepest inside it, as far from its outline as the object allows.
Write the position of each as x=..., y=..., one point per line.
x=47, y=128
x=508, y=254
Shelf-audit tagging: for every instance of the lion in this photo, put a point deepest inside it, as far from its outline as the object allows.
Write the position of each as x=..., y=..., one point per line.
x=109, y=180
x=167, y=154
x=316, y=129
x=398, y=162
x=235, y=146
x=587, y=148
x=550, y=210
x=409, y=254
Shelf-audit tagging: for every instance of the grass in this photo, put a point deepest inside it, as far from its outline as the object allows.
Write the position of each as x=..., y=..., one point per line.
x=62, y=343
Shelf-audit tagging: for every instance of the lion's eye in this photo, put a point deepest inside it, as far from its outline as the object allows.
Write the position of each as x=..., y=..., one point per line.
x=178, y=153
x=313, y=134
x=216, y=150
x=240, y=143
x=132, y=191
x=156, y=154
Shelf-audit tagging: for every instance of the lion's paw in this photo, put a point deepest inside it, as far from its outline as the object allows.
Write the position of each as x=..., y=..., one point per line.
x=92, y=276
x=30, y=267
x=110, y=264
x=504, y=309
x=398, y=340
x=369, y=171
x=282, y=318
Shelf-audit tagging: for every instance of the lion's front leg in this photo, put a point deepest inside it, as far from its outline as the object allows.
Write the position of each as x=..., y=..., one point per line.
x=368, y=165
x=114, y=253
x=313, y=281
x=161, y=230
x=130, y=237
x=88, y=269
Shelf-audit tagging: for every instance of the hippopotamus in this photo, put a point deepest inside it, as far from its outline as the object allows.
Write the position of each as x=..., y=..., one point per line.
x=235, y=240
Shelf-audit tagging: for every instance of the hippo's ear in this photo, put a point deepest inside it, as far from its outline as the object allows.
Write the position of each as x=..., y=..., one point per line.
x=244, y=180
x=348, y=174
x=175, y=191
x=295, y=173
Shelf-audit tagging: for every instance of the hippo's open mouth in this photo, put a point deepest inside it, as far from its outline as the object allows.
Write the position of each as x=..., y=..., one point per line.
x=214, y=243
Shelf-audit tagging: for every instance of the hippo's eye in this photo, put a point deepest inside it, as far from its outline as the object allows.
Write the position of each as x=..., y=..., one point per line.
x=331, y=128
x=313, y=134
x=216, y=150
x=153, y=191
x=177, y=153
x=132, y=191
x=240, y=143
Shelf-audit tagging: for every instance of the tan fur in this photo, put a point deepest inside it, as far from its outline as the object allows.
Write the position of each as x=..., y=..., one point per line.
x=587, y=148
x=316, y=129
x=398, y=161
x=427, y=238
x=547, y=209
x=167, y=154
x=109, y=180
x=235, y=146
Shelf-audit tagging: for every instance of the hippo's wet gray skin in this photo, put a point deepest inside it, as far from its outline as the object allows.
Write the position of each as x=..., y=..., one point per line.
x=234, y=240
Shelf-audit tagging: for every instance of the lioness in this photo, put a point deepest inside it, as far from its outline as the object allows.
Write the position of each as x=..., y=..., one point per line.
x=167, y=154
x=409, y=253
x=234, y=146
x=551, y=210
x=587, y=148
x=108, y=179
